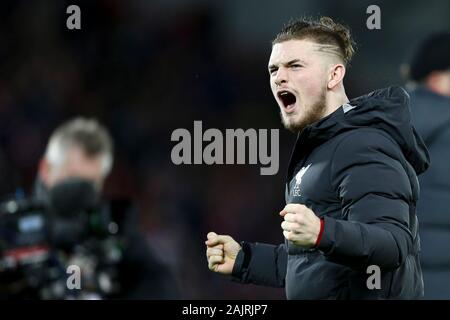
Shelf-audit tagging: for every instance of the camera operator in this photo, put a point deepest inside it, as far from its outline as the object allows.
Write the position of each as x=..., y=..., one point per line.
x=105, y=244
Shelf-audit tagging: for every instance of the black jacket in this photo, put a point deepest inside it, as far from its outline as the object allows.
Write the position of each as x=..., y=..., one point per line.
x=357, y=169
x=430, y=114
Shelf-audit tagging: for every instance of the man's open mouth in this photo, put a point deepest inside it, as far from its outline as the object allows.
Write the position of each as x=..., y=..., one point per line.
x=288, y=100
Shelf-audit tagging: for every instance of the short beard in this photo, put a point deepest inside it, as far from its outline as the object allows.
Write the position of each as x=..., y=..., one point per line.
x=314, y=113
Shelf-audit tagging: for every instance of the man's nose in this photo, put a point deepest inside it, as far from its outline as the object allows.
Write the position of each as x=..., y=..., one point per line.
x=281, y=77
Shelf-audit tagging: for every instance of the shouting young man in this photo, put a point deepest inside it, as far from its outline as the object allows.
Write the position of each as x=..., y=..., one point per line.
x=351, y=189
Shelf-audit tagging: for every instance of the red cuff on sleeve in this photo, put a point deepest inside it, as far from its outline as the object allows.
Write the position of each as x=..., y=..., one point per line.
x=319, y=237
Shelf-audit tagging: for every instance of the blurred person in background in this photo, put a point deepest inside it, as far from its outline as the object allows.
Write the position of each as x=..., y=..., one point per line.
x=429, y=81
x=99, y=236
x=351, y=188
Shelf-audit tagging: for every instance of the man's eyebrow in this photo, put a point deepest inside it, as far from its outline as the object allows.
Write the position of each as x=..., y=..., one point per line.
x=289, y=63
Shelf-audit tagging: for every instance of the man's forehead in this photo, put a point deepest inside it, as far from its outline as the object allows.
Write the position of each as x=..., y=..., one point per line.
x=304, y=50
x=75, y=154
x=292, y=49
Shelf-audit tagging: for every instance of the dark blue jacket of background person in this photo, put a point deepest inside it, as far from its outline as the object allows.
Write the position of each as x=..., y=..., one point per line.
x=356, y=169
x=430, y=113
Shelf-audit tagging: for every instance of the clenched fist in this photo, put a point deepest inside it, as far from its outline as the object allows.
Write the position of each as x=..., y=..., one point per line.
x=300, y=226
x=221, y=251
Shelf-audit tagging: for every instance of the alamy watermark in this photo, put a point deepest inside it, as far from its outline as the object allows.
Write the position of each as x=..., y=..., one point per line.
x=374, y=280
x=74, y=20
x=374, y=20
x=234, y=147
x=74, y=280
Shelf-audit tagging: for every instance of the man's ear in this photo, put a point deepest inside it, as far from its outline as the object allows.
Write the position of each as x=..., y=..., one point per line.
x=336, y=75
x=439, y=82
x=44, y=171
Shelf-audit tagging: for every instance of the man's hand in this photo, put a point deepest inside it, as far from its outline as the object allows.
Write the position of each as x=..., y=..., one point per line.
x=221, y=252
x=300, y=225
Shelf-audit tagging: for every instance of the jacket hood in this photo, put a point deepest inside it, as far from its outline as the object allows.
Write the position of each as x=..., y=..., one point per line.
x=385, y=109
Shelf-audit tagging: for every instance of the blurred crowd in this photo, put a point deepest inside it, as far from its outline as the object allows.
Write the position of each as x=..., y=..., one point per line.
x=142, y=79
